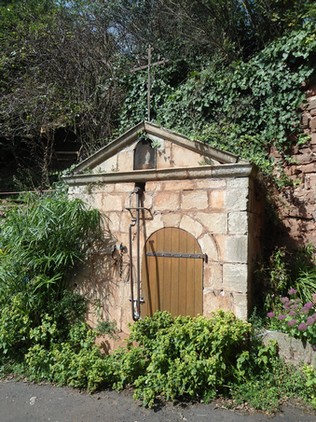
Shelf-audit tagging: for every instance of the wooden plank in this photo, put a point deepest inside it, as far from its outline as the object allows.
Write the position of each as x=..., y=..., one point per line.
x=174, y=245
x=166, y=284
x=173, y=283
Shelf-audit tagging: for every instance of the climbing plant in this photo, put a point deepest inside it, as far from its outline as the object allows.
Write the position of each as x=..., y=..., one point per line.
x=245, y=107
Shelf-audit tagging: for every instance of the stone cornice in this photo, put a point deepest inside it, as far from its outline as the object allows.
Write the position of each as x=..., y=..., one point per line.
x=203, y=172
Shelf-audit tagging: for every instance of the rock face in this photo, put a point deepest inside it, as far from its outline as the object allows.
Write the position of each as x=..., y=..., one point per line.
x=297, y=204
x=291, y=349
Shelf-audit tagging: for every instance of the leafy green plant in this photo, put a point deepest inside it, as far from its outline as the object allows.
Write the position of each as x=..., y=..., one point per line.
x=41, y=241
x=306, y=284
x=310, y=384
x=269, y=388
x=76, y=362
x=183, y=357
x=106, y=327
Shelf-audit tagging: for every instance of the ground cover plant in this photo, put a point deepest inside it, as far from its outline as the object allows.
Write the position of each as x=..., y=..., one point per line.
x=177, y=359
x=43, y=335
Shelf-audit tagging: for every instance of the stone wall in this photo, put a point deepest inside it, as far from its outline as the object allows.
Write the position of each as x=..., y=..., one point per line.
x=291, y=349
x=218, y=212
x=297, y=205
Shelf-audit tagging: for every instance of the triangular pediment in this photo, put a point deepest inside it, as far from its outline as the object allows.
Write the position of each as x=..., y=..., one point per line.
x=172, y=151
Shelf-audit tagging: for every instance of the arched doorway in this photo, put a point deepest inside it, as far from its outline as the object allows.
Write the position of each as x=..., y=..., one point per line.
x=172, y=273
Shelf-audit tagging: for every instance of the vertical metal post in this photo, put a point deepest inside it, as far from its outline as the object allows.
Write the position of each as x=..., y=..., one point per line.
x=131, y=267
x=138, y=193
x=136, y=221
x=149, y=83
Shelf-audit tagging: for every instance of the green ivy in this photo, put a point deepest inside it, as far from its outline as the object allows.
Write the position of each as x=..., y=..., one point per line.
x=244, y=108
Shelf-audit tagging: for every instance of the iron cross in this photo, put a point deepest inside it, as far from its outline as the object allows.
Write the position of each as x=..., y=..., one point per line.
x=148, y=66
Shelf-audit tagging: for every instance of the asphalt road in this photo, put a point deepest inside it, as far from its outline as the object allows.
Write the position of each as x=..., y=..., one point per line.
x=24, y=402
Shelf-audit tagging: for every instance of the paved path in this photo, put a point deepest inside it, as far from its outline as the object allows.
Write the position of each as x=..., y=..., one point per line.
x=23, y=402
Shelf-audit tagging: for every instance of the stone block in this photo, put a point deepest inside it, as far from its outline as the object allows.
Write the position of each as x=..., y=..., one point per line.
x=125, y=219
x=98, y=199
x=210, y=183
x=125, y=161
x=183, y=157
x=217, y=199
x=290, y=349
x=153, y=225
x=213, y=276
x=235, y=277
x=209, y=247
x=214, y=300
x=166, y=201
x=240, y=306
x=311, y=183
x=99, y=187
x=312, y=124
x=153, y=186
x=171, y=219
x=113, y=202
x=238, y=222
x=237, y=200
x=305, y=120
x=240, y=183
x=124, y=187
x=113, y=221
x=108, y=166
x=308, y=168
x=311, y=103
x=148, y=200
x=233, y=248
x=191, y=225
x=179, y=185
x=213, y=222
x=195, y=199
x=164, y=156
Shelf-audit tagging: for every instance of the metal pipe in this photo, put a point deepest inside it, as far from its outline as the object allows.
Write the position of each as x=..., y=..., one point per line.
x=131, y=267
x=136, y=302
x=138, y=193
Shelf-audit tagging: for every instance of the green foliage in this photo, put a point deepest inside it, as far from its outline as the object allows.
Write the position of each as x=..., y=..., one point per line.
x=270, y=388
x=306, y=284
x=106, y=327
x=41, y=241
x=244, y=108
x=274, y=278
x=295, y=317
x=184, y=357
x=310, y=384
x=170, y=358
x=76, y=362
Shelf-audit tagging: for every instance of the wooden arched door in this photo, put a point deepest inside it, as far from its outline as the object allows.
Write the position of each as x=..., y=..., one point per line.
x=172, y=273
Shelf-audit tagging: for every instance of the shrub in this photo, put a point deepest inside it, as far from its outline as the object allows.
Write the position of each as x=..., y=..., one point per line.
x=40, y=242
x=184, y=357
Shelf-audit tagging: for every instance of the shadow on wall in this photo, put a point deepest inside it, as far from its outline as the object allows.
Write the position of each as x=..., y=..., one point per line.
x=284, y=230
x=98, y=279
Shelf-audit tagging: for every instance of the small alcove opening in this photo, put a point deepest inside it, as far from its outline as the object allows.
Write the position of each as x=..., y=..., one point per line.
x=145, y=156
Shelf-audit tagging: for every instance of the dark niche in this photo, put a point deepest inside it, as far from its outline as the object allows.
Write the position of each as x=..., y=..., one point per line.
x=145, y=156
